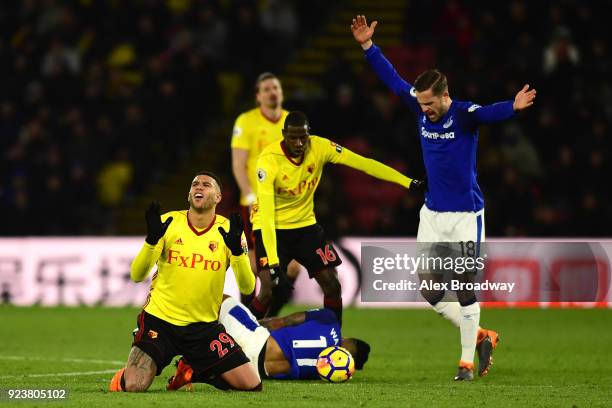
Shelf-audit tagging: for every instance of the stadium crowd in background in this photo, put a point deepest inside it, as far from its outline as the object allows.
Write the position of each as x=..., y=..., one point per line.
x=101, y=98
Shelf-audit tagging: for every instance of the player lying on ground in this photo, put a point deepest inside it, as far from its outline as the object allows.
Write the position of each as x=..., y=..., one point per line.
x=454, y=205
x=192, y=250
x=283, y=347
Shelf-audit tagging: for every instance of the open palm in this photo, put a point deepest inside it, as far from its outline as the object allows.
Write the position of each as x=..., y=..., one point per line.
x=361, y=31
x=524, y=98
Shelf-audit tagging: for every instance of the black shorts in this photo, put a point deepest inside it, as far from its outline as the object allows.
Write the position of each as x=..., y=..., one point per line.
x=307, y=245
x=207, y=347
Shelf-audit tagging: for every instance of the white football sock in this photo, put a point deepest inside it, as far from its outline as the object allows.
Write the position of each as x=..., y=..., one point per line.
x=451, y=311
x=470, y=320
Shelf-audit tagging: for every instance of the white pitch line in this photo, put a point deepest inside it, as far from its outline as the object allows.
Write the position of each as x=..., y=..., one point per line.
x=65, y=360
x=59, y=374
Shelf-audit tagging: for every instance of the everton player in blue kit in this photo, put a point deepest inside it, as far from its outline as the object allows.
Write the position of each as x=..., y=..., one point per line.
x=282, y=347
x=454, y=205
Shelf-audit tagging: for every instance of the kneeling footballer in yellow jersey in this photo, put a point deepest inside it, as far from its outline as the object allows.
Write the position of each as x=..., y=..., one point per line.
x=288, y=173
x=192, y=250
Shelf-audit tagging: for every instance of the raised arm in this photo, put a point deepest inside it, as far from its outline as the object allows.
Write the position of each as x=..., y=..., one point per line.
x=502, y=110
x=383, y=68
x=239, y=260
x=153, y=246
x=362, y=32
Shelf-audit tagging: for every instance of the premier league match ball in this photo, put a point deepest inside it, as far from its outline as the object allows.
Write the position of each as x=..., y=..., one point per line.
x=335, y=364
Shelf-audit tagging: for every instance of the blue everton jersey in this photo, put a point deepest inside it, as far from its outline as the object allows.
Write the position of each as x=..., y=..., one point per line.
x=302, y=344
x=448, y=145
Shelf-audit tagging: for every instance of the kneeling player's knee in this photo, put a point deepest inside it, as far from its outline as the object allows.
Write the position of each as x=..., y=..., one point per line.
x=135, y=384
x=244, y=385
x=258, y=387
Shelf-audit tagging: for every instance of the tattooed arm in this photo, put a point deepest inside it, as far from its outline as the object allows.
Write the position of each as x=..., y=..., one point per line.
x=140, y=371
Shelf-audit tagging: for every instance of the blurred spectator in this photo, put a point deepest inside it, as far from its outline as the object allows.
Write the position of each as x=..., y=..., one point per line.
x=114, y=179
x=60, y=58
x=560, y=52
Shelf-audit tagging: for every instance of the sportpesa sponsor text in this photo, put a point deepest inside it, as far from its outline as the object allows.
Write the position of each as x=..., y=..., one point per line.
x=436, y=135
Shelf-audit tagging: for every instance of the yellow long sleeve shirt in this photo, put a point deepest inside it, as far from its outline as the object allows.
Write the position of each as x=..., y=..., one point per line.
x=191, y=266
x=286, y=187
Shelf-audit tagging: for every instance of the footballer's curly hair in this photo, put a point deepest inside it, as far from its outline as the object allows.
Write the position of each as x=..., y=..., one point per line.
x=362, y=354
x=359, y=349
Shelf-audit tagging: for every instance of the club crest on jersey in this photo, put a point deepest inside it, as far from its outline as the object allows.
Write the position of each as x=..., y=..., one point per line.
x=448, y=123
x=263, y=261
x=261, y=175
x=152, y=334
x=213, y=245
x=311, y=168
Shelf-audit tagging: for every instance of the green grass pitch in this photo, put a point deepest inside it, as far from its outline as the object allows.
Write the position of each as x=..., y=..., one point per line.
x=545, y=358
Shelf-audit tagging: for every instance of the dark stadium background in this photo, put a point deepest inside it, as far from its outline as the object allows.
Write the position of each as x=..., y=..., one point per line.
x=105, y=105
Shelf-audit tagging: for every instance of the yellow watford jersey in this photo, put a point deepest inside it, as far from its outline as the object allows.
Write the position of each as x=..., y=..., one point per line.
x=285, y=198
x=191, y=266
x=253, y=132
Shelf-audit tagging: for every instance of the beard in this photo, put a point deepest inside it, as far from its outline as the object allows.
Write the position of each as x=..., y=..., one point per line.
x=205, y=206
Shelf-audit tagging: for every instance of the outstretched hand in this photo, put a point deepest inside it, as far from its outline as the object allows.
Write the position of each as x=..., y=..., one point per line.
x=524, y=98
x=362, y=32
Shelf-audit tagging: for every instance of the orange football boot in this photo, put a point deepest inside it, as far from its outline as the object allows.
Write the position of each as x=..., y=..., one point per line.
x=486, y=342
x=115, y=384
x=182, y=377
x=465, y=371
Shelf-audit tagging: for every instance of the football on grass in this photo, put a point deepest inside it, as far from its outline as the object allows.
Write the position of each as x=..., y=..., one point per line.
x=335, y=364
